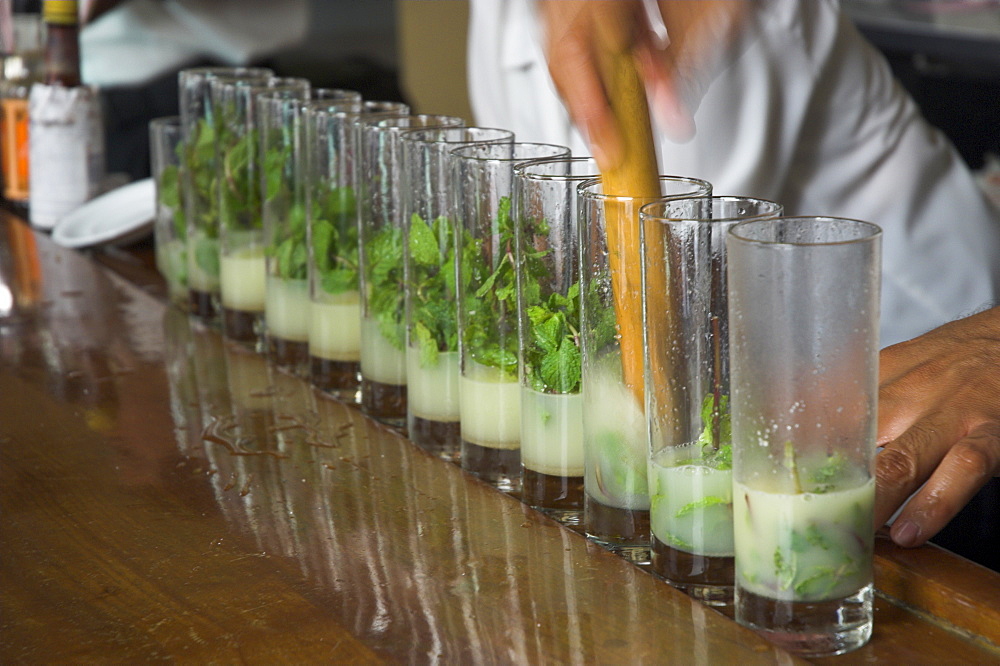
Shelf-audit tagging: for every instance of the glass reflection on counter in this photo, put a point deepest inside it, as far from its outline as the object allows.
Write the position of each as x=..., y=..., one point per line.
x=56, y=334
x=179, y=358
x=20, y=271
x=398, y=545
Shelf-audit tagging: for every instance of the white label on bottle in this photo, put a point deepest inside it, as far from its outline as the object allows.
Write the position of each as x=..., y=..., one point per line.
x=67, y=150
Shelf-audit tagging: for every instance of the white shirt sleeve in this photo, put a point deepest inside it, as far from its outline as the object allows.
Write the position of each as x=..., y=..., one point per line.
x=808, y=115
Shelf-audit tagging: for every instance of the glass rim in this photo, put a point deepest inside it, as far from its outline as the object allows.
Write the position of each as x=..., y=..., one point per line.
x=335, y=94
x=414, y=135
x=384, y=105
x=328, y=106
x=387, y=123
x=279, y=98
x=871, y=230
x=646, y=215
x=485, y=145
x=524, y=170
x=583, y=189
x=349, y=117
x=265, y=89
x=283, y=84
x=214, y=72
x=166, y=121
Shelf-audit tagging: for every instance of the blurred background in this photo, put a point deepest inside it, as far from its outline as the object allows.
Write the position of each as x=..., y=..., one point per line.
x=945, y=52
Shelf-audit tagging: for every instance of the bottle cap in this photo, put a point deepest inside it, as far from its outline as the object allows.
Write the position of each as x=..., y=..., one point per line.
x=60, y=12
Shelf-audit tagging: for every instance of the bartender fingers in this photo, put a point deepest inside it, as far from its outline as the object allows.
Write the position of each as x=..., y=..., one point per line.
x=571, y=44
x=954, y=465
x=939, y=421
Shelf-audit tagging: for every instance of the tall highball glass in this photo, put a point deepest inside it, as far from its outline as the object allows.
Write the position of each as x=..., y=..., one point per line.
x=201, y=129
x=381, y=224
x=487, y=306
x=170, y=226
x=687, y=388
x=333, y=197
x=283, y=210
x=804, y=314
x=616, y=501
x=548, y=301
x=429, y=263
x=243, y=164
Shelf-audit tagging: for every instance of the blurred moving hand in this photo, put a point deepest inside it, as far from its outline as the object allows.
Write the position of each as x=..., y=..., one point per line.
x=939, y=423
x=700, y=38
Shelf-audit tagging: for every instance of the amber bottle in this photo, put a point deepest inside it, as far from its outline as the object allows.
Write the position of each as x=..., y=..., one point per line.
x=62, y=47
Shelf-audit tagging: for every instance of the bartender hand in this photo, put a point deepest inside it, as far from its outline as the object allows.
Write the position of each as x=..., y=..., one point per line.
x=676, y=73
x=939, y=423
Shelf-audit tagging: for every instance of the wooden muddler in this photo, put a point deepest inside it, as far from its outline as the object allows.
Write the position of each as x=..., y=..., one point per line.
x=635, y=176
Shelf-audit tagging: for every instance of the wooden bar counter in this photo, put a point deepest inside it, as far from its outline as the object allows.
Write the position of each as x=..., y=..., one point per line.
x=168, y=496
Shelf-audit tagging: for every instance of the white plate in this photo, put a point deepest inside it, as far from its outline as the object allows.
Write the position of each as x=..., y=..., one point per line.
x=125, y=213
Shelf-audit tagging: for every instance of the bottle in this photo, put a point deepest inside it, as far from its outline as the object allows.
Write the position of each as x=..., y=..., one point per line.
x=62, y=46
x=22, y=65
x=66, y=131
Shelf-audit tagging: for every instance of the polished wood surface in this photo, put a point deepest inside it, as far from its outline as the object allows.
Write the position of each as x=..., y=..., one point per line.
x=166, y=495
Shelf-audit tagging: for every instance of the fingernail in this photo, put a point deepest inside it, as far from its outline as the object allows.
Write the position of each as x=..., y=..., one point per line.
x=906, y=534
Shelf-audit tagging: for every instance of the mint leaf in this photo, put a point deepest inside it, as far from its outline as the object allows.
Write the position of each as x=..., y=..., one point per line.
x=552, y=356
x=206, y=256
x=826, y=476
x=180, y=224
x=720, y=459
x=335, y=242
x=712, y=413
x=295, y=222
x=791, y=464
x=430, y=284
x=675, y=541
x=168, y=186
x=427, y=345
x=423, y=244
x=339, y=280
x=341, y=202
x=323, y=238
x=383, y=266
x=784, y=568
x=548, y=333
x=818, y=583
x=703, y=503
x=171, y=195
x=274, y=165
x=384, y=283
x=537, y=314
x=488, y=292
x=487, y=286
x=811, y=538
x=560, y=369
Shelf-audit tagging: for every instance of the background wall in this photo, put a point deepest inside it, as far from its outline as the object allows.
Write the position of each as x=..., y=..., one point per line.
x=431, y=46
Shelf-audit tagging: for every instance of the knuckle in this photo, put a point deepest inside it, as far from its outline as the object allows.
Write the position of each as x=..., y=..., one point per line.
x=895, y=467
x=890, y=392
x=979, y=456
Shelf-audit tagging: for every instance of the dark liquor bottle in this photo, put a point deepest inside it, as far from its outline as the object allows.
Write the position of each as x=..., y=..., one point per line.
x=67, y=133
x=62, y=46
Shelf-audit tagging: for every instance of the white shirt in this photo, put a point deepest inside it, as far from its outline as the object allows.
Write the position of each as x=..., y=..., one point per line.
x=142, y=39
x=810, y=116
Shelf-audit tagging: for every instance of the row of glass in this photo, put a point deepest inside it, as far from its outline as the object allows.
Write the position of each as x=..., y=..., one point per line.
x=482, y=294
